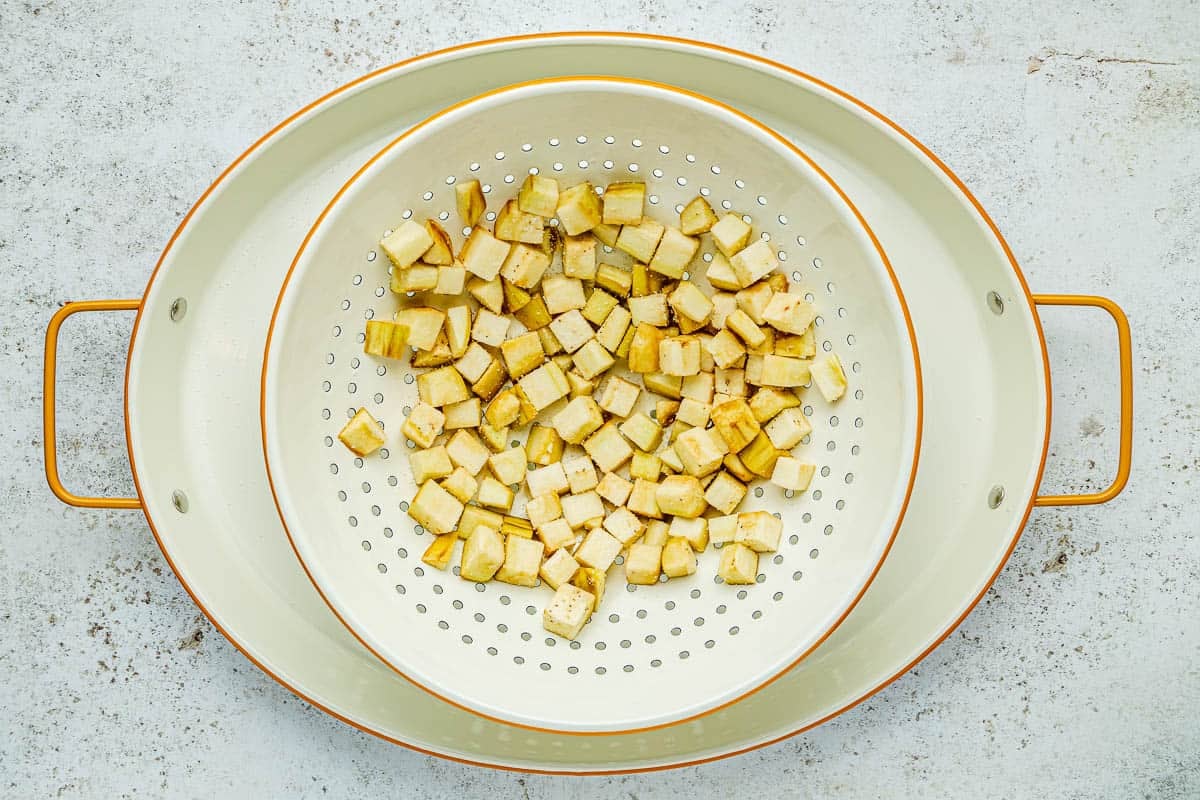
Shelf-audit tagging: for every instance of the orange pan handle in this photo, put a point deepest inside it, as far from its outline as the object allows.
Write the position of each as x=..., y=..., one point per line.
x=1125, y=350
x=50, y=438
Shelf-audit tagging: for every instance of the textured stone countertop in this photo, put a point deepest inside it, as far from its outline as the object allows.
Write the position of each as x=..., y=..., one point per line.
x=1076, y=124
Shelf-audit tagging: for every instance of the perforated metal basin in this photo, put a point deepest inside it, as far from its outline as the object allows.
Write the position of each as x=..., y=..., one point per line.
x=652, y=655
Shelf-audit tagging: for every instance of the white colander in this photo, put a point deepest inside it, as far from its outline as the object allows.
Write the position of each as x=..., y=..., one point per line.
x=651, y=655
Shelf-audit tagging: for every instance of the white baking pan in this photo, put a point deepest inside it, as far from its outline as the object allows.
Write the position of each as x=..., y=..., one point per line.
x=196, y=350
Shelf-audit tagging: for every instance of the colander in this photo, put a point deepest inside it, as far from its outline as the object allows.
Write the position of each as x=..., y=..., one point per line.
x=652, y=655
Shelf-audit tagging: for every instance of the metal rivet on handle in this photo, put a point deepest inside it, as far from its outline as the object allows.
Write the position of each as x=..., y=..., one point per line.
x=996, y=304
x=995, y=497
x=180, y=501
x=178, y=309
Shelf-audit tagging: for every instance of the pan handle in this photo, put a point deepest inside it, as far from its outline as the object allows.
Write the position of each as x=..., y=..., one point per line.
x=56, y=486
x=1125, y=350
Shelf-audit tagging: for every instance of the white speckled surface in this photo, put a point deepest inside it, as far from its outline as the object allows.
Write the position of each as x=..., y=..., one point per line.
x=1077, y=125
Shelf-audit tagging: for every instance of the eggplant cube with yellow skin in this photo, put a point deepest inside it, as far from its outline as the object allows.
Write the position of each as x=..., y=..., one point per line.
x=571, y=330
x=568, y=611
x=504, y=409
x=613, y=488
x=469, y=199
x=474, y=517
x=544, y=386
x=792, y=474
x=643, y=564
x=544, y=445
x=650, y=309
x=760, y=455
x=679, y=355
x=463, y=414
x=754, y=300
x=578, y=419
x=406, y=244
x=623, y=203
x=533, y=315
x=538, y=195
x=608, y=448
x=725, y=493
x=697, y=452
x=424, y=324
x=693, y=412
x=495, y=438
x=465, y=450
x=489, y=293
x=618, y=396
x=436, y=356
x=581, y=509
x=697, y=217
x=726, y=349
x=613, y=279
x=579, y=257
x=442, y=387
x=581, y=473
x=674, y=254
x=642, y=431
x=754, y=262
x=598, y=550
x=598, y=306
x=522, y=560
x=482, y=555
x=494, y=494
x=525, y=266
x=592, y=360
x=738, y=564
x=580, y=386
x=440, y=551
x=483, y=254
x=435, y=509
x=441, y=252
x=612, y=331
x=646, y=466
x=559, y=568
x=522, y=354
x=607, y=234
x=562, y=294
x=670, y=460
x=655, y=533
x=461, y=484
x=785, y=372
x=556, y=534
x=385, y=338
x=735, y=422
x=450, y=280
x=740, y=323
x=644, y=349
x=643, y=500
x=362, y=434
x=423, y=424
x=509, y=466
x=693, y=530
x=678, y=558
x=698, y=387
x=624, y=525
x=787, y=428
x=689, y=301
x=666, y=385
x=723, y=304
x=730, y=234
x=829, y=377
x=543, y=509
x=681, y=496
x=514, y=225
x=579, y=209
x=802, y=346
x=722, y=530
x=641, y=240
x=759, y=530
x=431, y=464
x=789, y=313
x=665, y=411
x=546, y=480
x=769, y=401
x=720, y=274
